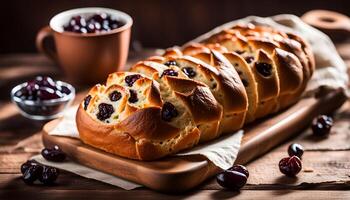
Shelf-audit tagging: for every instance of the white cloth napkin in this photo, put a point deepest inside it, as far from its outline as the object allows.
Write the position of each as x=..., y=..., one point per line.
x=331, y=72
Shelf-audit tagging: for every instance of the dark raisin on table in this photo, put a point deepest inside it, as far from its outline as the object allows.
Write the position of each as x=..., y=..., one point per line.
x=295, y=149
x=27, y=164
x=32, y=174
x=240, y=168
x=168, y=112
x=131, y=79
x=233, y=180
x=53, y=154
x=104, y=111
x=321, y=125
x=33, y=171
x=265, y=69
x=290, y=166
x=48, y=175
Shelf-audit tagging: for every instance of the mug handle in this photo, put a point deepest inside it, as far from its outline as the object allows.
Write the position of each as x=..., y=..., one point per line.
x=45, y=33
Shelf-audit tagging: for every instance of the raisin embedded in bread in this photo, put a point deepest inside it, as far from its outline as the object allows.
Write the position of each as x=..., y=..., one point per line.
x=232, y=97
x=230, y=93
x=290, y=43
x=192, y=98
x=262, y=66
x=240, y=65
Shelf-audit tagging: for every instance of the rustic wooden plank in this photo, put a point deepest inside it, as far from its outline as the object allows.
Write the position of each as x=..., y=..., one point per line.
x=330, y=167
x=48, y=193
x=319, y=167
x=11, y=134
x=339, y=138
x=16, y=159
x=65, y=181
x=16, y=127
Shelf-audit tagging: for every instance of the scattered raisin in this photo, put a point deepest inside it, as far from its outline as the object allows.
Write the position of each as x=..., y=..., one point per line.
x=32, y=173
x=230, y=179
x=49, y=175
x=53, y=154
x=290, y=166
x=295, y=150
x=321, y=125
x=240, y=168
x=27, y=164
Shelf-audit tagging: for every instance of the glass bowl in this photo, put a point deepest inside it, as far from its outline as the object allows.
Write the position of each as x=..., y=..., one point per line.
x=43, y=109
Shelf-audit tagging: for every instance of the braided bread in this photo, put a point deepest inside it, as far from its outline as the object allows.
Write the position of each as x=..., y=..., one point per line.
x=223, y=81
x=194, y=94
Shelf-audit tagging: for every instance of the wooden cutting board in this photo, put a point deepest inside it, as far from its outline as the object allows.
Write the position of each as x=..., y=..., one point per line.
x=175, y=174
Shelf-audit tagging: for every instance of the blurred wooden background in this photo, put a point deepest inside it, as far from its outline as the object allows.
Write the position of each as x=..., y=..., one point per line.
x=157, y=23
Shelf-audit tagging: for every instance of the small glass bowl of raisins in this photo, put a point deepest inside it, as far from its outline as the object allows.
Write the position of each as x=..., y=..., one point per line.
x=42, y=98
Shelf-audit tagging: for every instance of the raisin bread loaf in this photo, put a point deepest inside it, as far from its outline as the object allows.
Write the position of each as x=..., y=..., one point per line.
x=182, y=109
x=194, y=94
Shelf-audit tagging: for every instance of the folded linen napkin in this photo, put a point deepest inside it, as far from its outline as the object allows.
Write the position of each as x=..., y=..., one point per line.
x=331, y=72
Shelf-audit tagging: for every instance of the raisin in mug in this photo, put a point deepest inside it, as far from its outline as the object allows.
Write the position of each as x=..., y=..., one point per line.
x=87, y=58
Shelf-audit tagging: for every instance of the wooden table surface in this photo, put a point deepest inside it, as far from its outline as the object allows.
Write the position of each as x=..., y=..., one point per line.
x=326, y=162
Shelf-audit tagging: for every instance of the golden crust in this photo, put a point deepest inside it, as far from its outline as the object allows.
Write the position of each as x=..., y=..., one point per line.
x=299, y=62
x=290, y=71
x=190, y=94
x=139, y=136
x=223, y=82
x=247, y=76
x=209, y=105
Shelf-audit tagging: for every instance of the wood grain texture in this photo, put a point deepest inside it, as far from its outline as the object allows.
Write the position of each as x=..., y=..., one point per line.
x=340, y=132
x=47, y=193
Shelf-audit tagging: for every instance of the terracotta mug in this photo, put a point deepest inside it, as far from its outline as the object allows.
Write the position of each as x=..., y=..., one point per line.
x=87, y=58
